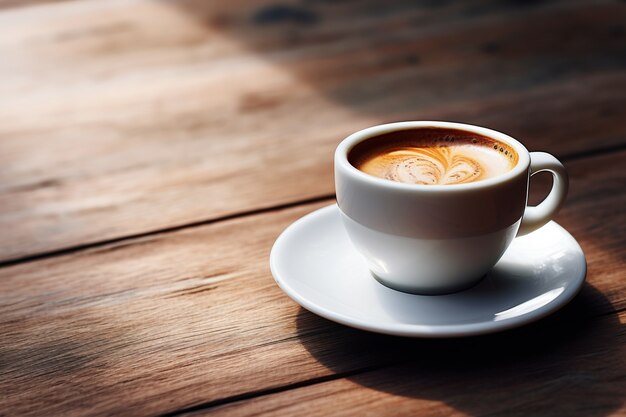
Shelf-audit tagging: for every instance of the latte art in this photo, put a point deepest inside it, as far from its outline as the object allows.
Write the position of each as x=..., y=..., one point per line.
x=430, y=166
x=433, y=157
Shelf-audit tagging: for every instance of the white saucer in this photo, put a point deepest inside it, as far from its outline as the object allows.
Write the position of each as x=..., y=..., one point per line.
x=315, y=264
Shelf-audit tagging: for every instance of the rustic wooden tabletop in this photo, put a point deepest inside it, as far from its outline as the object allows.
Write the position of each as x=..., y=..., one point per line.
x=152, y=151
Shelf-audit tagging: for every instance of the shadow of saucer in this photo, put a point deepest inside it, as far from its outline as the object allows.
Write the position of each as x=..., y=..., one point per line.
x=569, y=363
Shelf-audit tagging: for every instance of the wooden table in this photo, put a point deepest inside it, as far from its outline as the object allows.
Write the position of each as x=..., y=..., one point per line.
x=152, y=151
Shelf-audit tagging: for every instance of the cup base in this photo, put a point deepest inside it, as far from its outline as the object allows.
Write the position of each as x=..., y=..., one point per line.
x=417, y=290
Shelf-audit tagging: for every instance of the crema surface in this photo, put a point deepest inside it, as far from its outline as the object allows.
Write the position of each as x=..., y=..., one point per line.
x=433, y=157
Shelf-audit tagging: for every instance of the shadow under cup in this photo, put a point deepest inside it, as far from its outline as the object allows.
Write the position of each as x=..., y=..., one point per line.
x=430, y=239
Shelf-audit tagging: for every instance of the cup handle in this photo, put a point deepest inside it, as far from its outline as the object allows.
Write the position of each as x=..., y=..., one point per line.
x=537, y=216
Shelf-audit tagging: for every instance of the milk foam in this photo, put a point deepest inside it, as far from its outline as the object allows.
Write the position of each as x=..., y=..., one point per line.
x=438, y=165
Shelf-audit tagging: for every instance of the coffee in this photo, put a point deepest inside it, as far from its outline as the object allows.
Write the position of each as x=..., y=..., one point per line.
x=433, y=156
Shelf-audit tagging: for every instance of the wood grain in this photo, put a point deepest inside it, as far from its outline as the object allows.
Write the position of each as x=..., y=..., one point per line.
x=121, y=118
x=175, y=320
x=579, y=372
x=146, y=150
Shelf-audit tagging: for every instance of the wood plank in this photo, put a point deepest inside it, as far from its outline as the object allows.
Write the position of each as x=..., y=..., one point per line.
x=173, y=320
x=579, y=372
x=147, y=115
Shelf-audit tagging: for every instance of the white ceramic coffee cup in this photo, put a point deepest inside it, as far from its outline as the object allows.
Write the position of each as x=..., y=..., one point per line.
x=437, y=239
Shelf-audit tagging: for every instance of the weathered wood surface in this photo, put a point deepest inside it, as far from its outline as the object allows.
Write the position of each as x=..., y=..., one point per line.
x=170, y=321
x=120, y=118
x=152, y=151
x=572, y=367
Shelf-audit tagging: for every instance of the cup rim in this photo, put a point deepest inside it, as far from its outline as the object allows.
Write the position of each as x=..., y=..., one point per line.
x=346, y=145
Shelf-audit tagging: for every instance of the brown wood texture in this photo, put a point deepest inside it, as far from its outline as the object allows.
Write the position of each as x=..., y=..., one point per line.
x=170, y=321
x=115, y=113
x=152, y=151
x=577, y=371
